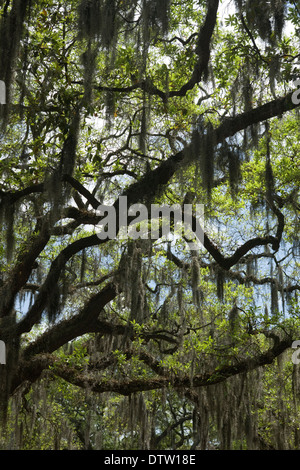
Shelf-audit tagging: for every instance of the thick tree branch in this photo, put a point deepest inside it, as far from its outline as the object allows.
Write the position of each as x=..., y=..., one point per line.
x=32, y=369
x=22, y=269
x=11, y=197
x=66, y=330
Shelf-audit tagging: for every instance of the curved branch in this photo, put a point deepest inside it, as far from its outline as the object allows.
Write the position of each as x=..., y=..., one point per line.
x=66, y=330
x=32, y=369
x=202, y=50
x=10, y=197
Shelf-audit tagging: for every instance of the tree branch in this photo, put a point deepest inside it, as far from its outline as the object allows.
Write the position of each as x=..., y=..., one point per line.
x=32, y=369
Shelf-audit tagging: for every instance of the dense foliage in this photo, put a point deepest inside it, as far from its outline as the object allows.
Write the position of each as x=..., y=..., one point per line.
x=144, y=343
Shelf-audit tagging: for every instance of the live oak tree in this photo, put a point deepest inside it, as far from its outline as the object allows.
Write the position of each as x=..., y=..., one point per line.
x=144, y=343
